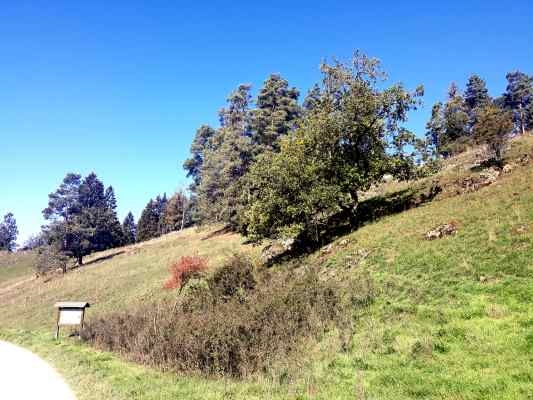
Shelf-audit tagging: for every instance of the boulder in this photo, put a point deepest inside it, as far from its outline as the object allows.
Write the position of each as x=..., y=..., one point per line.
x=441, y=231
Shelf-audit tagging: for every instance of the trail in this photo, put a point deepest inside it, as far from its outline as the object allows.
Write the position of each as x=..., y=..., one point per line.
x=24, y=376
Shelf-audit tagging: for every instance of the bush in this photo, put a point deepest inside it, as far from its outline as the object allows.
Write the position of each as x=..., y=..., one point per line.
x=183, y=270
x=241, y=322
x=50, y=259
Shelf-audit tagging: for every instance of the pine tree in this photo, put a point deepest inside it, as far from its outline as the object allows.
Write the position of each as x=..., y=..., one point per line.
x=148, y=225
x=276, y=112
x=176, y=215
x=492, y=128
x=227, y=161
x=312, y=99
x=435, y=128
x=476, y=94
x=129, y=229
x=203, y=142
x=82, y=217
x=8, y=233
x=456, y=120
x=518, y=98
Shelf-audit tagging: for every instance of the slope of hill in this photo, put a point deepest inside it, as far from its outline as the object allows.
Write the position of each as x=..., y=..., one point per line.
x=452, y=319
x=15, y=267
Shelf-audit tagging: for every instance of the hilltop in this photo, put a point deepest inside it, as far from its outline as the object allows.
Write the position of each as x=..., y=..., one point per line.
x=452, y=317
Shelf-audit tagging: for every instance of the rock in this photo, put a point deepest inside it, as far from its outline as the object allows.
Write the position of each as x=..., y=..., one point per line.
x=344, y=242
x=441, y=230
x=524, y=159
x=327, y=249
x=387, y=178
x=508, y=168
x=287, y=243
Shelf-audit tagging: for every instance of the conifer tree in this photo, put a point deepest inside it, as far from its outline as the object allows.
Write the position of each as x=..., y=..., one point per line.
x=148, y=225
x=203, y=142
x=518, y=98
x=276, y=112
x=492, y=128
x=8, y=232
x=436, y=129
x=455, y=122
x=175, y=216
x=476, y=94
x=129, y=229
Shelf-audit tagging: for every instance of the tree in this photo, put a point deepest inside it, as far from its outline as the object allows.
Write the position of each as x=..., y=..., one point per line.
x=340, y=148
x=436, y=128
x=456, y=134
x=492, y=128
x=8, y=232
x=518, y=98
x=176, y=215
x=129, y=229
x=203, y=142
x=81, y=217
x=276, y=112
x=148, y=225
x=476, y=94
x=225, y=163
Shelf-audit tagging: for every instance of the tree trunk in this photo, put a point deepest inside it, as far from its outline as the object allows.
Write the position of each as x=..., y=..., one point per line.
x=80, y=260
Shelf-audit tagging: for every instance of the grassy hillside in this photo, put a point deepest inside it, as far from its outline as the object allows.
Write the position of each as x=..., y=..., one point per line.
x=15, y=267
x=453, y=317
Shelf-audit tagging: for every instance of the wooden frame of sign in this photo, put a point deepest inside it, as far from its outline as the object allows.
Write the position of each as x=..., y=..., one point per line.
x=70, y=313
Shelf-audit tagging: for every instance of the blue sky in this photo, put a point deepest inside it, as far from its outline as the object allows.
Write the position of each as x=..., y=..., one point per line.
x=120, y=87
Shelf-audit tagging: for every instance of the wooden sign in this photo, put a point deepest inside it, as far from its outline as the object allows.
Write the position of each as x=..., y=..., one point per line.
x=70, y=313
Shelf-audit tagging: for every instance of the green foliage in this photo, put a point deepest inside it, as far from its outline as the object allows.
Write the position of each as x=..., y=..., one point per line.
x=82, y=217
x=492, y=128
x=49, y=259
x=148, y=225
x=129, y=229
x=476, y=94
x=177, y=213
x=276, y=112
x=8, y=232
x=339, y=148
x=236, y=327
x=518, y=98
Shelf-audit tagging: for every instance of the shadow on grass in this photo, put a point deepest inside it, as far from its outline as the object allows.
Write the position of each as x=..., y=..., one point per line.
x=218, y=232
x=103, y=258
x=368, y=211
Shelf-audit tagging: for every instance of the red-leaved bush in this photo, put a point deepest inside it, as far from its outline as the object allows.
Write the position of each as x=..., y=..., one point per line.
x=181, y=271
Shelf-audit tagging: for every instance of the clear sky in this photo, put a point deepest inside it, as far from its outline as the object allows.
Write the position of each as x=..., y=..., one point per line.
x=119, y=87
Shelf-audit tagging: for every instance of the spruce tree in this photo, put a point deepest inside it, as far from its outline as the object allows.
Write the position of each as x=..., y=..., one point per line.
x=148, y=225
x=129, y=229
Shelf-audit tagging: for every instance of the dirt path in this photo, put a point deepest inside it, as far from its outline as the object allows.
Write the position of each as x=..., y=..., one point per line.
x=24, y=376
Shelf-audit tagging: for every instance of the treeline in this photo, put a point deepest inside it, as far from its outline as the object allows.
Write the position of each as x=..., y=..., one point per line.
x=284, y=169
x=473, y=116
x=162, y=215
x=82, y=219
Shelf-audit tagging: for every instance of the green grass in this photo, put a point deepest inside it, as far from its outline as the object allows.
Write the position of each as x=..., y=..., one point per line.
x=453, y=318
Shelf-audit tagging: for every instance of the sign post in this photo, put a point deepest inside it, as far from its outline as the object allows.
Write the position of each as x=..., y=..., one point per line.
x=70, y=313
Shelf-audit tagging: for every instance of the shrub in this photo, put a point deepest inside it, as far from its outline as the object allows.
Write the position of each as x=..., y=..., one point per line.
x=182, y=271
x=50, y=259
x=241, y=323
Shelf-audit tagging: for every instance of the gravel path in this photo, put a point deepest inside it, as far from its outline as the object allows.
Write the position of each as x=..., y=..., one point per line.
x=24, y=376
